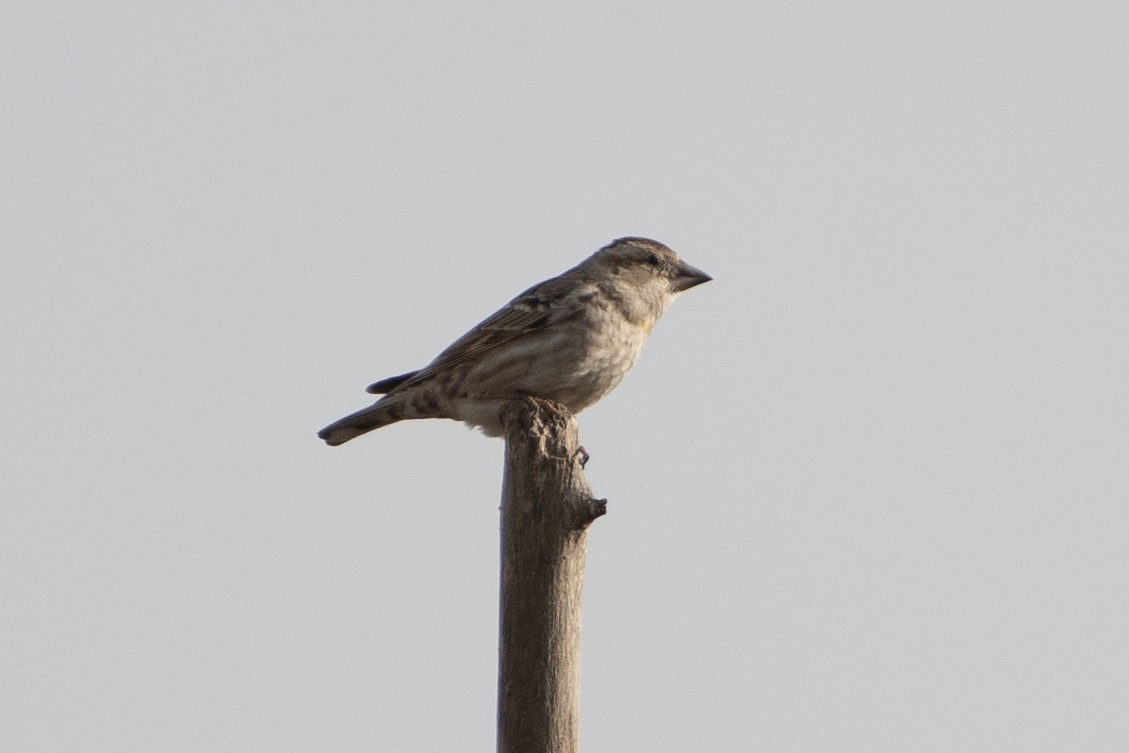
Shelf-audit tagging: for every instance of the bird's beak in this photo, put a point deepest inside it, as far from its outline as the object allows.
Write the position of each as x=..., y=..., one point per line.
x=687, y=277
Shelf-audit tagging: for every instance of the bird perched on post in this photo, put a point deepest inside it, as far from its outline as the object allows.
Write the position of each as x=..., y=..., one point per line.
x=570, y=339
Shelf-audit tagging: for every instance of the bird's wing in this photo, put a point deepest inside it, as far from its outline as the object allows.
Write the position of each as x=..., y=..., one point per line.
x=388, y=384
x=524, y=315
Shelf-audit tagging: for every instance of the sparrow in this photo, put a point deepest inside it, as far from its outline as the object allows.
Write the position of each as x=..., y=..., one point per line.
x=570, y=339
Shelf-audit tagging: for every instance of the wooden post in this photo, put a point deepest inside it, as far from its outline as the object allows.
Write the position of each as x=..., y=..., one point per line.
x=547, y=507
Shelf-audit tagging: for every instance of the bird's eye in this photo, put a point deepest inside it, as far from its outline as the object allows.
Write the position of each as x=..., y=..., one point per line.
x=653, y=260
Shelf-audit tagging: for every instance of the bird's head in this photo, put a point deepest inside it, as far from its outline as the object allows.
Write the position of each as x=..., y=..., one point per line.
x=648, y=266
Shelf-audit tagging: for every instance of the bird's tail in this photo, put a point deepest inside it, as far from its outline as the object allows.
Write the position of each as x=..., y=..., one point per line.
x=363, y=421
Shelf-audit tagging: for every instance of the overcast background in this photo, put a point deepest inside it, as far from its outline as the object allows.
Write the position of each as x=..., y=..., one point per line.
x=867, y=490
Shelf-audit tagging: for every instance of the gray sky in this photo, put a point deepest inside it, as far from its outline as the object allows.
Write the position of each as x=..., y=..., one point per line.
x=867, y=489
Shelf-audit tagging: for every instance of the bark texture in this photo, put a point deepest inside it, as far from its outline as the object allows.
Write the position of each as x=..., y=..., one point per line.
x=547, y=507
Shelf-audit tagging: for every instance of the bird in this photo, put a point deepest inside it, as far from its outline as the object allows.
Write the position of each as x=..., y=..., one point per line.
x=570, y=339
